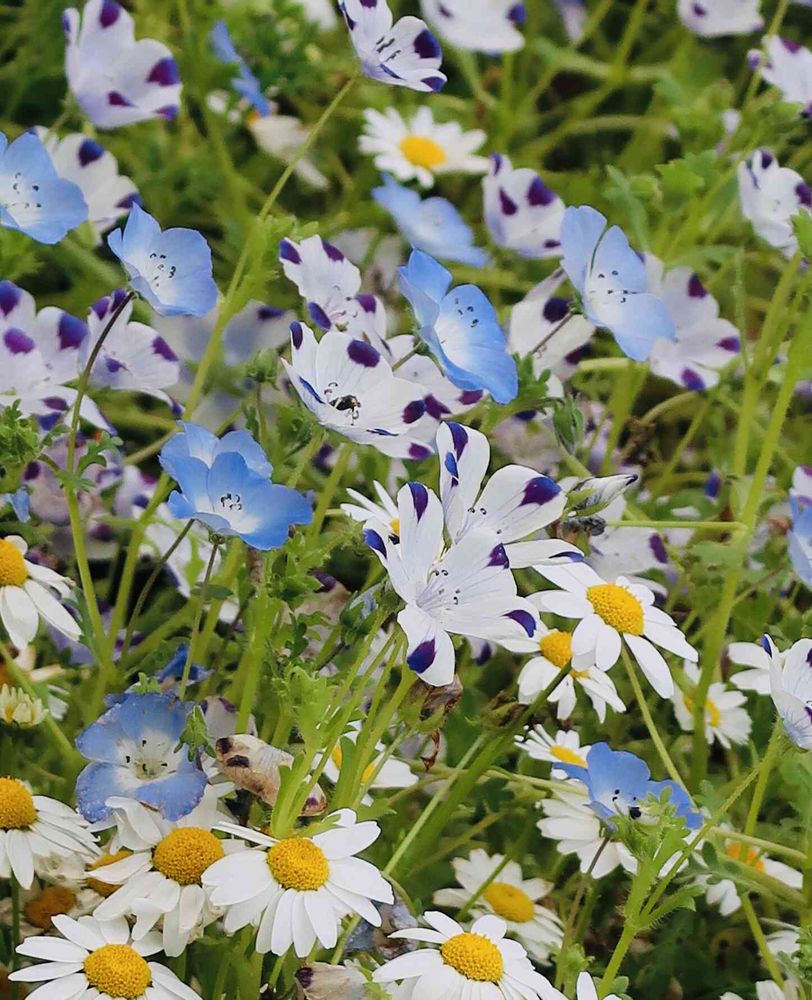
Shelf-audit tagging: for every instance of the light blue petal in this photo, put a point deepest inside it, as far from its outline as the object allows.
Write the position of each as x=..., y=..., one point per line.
x=103, y=740
x=639, y=322
x=96, y=784
x=284, y=507
x=149, y=715
x=244, y=444
x=615, y=257
x=581, y=228
x=175, y=796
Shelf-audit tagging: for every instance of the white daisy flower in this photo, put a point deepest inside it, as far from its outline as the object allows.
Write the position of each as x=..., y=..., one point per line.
x=391, y=774
x=419, y=148
x=18, y=708
x=563, y=748
x=25, y=595
x=160, y=877
x=96, y=960
x=791, y=689
x=553, y=649
x=611, y=613
x=296, y=891
x=726, y=895
x=479, y=962
x=35, y=829
x=40, y=904
x=584, y=990
x=726, y=719
x=569, y=820
x=511, y=897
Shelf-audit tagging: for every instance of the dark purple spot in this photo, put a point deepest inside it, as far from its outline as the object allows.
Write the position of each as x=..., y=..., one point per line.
x=555, y=310
x=692, y=380
x=311, y=390
x=71, y=332
x=422, y=656
x=804, y=194
x=89, y=152
x=657, y=546
x=498, y=556
x=497, y=161
x=374, y=541
x=525, y=415
x=699, y=10
x=451, y=467
x=32, y=471
x=296, y=335
x=9, y=296
x=168, y=113
x=539, y=194
x=287, y=251
x=55, y=403
x=459, y=435
x=540, y=490
x=696, y=289
x=426, y=46
x=116, y=100
x=369, y=3
x=435, y=408
x=164, y=73
x=265, y=313
x=413, y=411
x=435, y=83
x=100, y=308
x=127, y=202
x=485, y=653
x=791, y=45
x=417, y=452
x=332, y=252
x=470, y=396
x=163, y=350
x=420, y=498
x=517, y=14
x=363, y=353
x=766, y=158
x=109, y=13
x=113, y=365
x=17, y=341
x=367, y=302
x=506, y=204
x=66, y=24
x=319, y=316
x=730, y=344
x=523, y=618
x=713, y=485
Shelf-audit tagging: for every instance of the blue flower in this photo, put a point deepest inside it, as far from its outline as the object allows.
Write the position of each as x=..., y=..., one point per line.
x=611, y=280
x=460, y=328
x=245, y=83
x=799, y=540
x=225, y=483
x=172, y=673
x=132, y=749
x=433, y=225
x=171, y=268
x=405, y=54
x=618, y=783
x=34, y=199
x=20, y=503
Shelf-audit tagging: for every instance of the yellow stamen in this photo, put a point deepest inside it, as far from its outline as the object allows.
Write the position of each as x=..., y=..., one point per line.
x=474, y=956
x=118, y=970
x=421, y=151
x=510, y=902
x=752, y=858
x=394, y=524
x=106, y=888
x=185, y=853
x=619, y=608
x=711, y=710
x=337, y=757
x=13, y=572
x=556, y=646
x=298, y=863
x=567, y=756
x=17, y=809
x=52, y=901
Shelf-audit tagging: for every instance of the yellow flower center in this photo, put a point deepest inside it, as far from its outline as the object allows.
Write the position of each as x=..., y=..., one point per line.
x=617, y=607
x=510, y=902
x=394, y=524
x=298, y=863
x=52, y=901
x=12, y=566
x=711, y=709
x=106, y=888
x=337, y=756
x=557, y=647
x=118, y=970
x=17, y=808
x=567, y=756
x=422, y=152
x=474, y=956
x=752, y=857
x=184, y=854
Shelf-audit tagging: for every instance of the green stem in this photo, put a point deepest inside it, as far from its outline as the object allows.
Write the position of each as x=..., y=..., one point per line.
x=330, y=487
x=262, y=627
x=656, y=739
x=761, y=941
x=204, y=589
x=767, y=764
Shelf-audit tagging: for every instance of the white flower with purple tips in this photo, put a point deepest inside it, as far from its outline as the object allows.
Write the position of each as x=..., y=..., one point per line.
x=611, y=280
x=468, y=589
x=330, y=284
x=403, y=54
x=171, y=268
x=490, y=26
x=94, y=170
x=770, y=195
x=799, y=537
x=705, y=343
x=350, y=387
x=34, y=199
x=39, y=354
x=460, y=327
x=116, y=79
x=786, y=64
x=522, y=213
x=715, y=18
x=133, y=355
x=791, y=688
x=432, y=225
